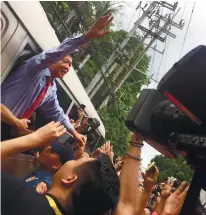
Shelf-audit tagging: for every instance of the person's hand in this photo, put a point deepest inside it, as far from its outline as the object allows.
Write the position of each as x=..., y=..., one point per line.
x=80, y=113
x=98, y=29
x=71, y=121
x=167, y=188
x=118, y=166
x=107, y=149
x=22, y=124
x=174, y=202
x=85, y=122
x=96, y=153
x=48, y=133
x=150, y=180
x=81, y=139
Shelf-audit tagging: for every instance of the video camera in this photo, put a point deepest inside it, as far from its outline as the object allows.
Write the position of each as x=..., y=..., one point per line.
x=172, y=119
x=93, y=123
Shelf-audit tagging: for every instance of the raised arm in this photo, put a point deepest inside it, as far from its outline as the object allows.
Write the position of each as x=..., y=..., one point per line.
x=41, y=137
x=69, y=45
x=129, y=180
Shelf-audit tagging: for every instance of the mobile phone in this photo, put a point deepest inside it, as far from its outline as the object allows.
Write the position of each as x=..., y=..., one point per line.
x=151, y=169
x=66, y=137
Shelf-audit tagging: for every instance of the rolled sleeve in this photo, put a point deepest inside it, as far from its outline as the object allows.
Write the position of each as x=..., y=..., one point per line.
x=46, y=58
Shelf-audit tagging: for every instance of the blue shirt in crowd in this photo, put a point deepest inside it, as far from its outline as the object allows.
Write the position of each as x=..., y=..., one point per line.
x=40, y=181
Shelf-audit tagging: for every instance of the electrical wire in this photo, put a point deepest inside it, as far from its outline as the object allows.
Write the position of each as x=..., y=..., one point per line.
x=162, y=54
x=131, y=18
x=187, y=29
x=166, y=51
x=184, y=10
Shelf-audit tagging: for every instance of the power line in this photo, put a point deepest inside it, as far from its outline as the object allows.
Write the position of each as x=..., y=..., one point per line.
x=160, y=63
x=165, y=49
x=187, y=29
x=162, y=54
x=184, y=10
x=132, y=18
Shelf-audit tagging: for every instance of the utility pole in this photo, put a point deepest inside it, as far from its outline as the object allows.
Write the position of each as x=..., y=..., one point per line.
x=161, y=30
x=148, y=32
x=94, y=84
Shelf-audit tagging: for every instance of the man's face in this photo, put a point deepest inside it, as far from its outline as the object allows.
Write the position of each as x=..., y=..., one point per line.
x=49, y=158
x=61, y=67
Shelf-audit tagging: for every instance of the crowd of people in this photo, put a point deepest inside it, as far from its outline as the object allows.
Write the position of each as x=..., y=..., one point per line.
x=67, y=178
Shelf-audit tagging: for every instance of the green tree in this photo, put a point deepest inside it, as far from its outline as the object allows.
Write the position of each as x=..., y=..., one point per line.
x=173, y=167
x=116, y=131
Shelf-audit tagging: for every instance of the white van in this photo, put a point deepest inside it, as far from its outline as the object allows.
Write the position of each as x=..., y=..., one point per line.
x=26, y=31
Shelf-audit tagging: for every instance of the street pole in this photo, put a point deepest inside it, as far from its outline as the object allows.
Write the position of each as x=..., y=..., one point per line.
x=142, y=54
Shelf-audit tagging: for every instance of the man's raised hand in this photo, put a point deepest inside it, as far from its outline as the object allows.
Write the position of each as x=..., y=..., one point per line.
x=98, y=30
x=50, y=132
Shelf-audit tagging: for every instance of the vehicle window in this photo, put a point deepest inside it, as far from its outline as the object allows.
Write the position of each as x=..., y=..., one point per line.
x=63, y=97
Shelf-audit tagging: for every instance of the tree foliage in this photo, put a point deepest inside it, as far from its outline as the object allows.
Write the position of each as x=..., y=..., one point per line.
x=171, y=167
x=116, y=131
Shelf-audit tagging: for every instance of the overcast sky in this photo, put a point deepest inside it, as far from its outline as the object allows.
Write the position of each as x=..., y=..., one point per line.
x=196, y=35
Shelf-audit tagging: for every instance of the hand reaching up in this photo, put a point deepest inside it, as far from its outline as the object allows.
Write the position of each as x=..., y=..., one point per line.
x=174, y=202
x=150, y=180
x=107, y=149
x=49, y=132
x=98, y=29
x=167, y=189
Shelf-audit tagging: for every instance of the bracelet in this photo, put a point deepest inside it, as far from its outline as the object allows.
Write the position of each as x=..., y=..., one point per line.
x=137, y=144
x=134, y=156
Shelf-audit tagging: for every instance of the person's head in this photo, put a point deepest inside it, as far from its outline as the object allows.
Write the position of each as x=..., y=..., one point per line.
x=61, y=67
x=54, y=156
x=90, y=186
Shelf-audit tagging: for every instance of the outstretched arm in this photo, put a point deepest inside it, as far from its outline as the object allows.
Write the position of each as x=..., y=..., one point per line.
x=39, y=138
x=129, y=181
x=69, y=45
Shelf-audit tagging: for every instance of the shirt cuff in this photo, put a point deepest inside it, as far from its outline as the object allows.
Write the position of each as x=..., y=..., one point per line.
x=80, y=40
x=68, y=126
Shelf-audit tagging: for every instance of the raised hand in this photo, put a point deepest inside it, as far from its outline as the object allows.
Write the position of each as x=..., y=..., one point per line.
x=167, y=188
x=108, y=150
x=174, y=202
x=82, y=139
x=98, y=29
x=49, y=132
x=150, y=180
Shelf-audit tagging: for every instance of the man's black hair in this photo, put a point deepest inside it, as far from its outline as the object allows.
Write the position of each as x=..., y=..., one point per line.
x=97, y=189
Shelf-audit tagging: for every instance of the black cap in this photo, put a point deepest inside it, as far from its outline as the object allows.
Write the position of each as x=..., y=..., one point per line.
x=65, y=152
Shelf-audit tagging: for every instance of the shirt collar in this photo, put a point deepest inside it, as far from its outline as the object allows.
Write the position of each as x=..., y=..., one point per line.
x=47, y=72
